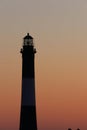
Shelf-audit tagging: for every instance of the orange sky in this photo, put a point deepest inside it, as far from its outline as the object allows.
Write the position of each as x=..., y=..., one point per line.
x=59, y=29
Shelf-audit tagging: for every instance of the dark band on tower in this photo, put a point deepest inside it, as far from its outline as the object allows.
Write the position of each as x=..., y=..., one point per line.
x=28, y=104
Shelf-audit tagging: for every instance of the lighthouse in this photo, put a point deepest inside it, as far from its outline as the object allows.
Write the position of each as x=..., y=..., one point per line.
x=28, y=104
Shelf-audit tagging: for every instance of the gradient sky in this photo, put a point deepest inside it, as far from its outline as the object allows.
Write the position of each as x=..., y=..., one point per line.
x=59, y=28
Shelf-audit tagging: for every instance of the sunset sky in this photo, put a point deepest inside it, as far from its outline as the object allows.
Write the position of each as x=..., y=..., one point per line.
x=59, y=29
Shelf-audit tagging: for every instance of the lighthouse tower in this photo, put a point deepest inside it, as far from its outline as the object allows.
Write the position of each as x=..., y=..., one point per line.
x=28, y=105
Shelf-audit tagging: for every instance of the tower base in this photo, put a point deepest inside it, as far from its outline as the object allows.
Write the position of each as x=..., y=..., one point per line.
x=28, y=118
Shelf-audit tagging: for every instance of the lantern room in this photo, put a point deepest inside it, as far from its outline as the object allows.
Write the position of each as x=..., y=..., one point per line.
x=28, y=40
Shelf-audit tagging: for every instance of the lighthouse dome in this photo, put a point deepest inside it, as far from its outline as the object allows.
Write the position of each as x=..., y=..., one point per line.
x=28, y=36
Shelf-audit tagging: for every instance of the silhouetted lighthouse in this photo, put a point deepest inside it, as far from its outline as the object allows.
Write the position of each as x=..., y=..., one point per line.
x=28, y=105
